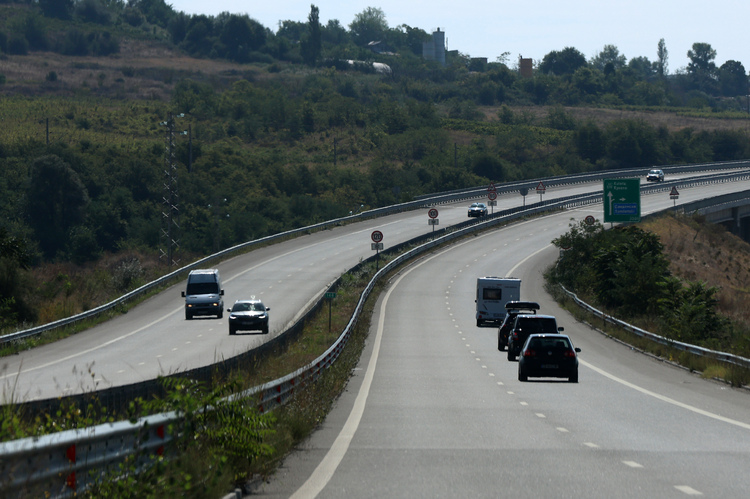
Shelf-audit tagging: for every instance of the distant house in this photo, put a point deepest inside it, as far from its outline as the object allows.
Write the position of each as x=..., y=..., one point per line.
x=434, y=50
x=526, y=67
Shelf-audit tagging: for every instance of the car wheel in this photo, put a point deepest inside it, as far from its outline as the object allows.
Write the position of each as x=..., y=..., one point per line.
x=573, y=378
x=220, y=314
x=522, y=376
x=479, y=323
x=265, y=329
x=188, y=316
x=511, y=357
x=232, y=331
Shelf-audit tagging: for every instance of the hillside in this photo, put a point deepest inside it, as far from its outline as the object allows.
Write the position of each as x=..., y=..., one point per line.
x=280, y=135
x=700, y=251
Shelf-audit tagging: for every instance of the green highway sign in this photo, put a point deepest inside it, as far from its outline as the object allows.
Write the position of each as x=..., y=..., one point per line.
x=330, y=295
x=622, y=200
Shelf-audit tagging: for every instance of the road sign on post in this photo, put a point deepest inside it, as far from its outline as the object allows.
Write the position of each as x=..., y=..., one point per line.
x=540, y=188
x=433, y=213
x=524, y=192
x=622, y=200
x=673, y=195
x=377, y=245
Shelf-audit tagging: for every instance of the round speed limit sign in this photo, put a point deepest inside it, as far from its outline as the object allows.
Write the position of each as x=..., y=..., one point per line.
x=376, y=236
x=433, y=213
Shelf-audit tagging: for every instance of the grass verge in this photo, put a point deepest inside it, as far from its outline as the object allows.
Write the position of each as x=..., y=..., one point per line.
x=707, y=368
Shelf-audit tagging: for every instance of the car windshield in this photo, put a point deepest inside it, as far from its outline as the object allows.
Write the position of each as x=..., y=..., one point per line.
x=202, y=288
x=248, y=307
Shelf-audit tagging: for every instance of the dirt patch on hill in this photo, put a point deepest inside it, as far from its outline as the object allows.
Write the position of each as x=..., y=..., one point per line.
x=700, y=251
x=140, y=70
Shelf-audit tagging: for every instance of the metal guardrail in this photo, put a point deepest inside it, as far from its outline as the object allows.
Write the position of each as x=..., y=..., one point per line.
x=431, y=200
x=46, y=464
x=62, y=463
x=661, y=340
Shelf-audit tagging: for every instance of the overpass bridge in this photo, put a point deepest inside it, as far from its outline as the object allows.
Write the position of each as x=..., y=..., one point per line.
x=731, y=210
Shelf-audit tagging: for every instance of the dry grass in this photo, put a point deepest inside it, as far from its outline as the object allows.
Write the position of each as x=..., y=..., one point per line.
x=700, y=251
x=602, y=116
x=140, y=71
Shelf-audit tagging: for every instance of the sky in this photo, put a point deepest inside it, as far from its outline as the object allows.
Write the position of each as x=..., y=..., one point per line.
x=534, y=28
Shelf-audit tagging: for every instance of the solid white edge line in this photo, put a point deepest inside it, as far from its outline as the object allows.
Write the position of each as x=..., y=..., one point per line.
x=666, y=399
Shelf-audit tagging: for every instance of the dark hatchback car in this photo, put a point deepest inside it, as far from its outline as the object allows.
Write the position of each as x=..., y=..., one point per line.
x=248, y=315
x=512, y=309
x=548, y=356
x=524, y=326
x=477, y=210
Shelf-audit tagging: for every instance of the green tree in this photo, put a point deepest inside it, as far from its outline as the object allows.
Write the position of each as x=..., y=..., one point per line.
x=562, y=62
x=61, y=9
x=662, y=59
x=236, y=36
x=632, y=143
x=56, y=201
x=701, y=68
x=733, y=79
x=609, y=56
x=311, y=43
x=368, y=26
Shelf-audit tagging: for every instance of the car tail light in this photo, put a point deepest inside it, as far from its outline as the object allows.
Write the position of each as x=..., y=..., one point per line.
x=570, y=353
x=529, y=353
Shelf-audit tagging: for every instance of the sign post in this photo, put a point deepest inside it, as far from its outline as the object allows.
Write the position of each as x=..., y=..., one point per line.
x=377, y=245
x=622, y=200
x=673, y=195
x=433, y=220
x=330, y=296
x=492, y=196
x=524, y=191
x=540, y=188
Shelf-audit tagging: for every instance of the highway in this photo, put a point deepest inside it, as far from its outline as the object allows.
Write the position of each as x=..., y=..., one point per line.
x=434, y=410
x=154, y=338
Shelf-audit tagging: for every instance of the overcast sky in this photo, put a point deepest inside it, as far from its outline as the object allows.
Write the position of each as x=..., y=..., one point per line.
x=533, y=28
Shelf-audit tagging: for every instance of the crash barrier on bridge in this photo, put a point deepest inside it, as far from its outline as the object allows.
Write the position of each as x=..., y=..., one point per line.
x=420, y=202
x=661, y=340
x=64, y=463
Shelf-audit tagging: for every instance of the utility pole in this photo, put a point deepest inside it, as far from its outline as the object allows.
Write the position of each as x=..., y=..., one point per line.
x=170, y=208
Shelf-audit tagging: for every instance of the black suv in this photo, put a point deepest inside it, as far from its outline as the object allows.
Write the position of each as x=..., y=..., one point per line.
x=512, y=309
x=527, y=324
x=248, y=315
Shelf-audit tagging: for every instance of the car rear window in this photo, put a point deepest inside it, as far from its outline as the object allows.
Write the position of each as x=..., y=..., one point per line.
x=533, y=325
x=550, y=343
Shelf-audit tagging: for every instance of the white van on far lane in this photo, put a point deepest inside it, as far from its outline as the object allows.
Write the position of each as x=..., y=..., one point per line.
x=203, y=295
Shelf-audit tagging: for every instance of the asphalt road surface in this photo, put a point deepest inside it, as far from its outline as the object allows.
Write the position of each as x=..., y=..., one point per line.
x=435, y=410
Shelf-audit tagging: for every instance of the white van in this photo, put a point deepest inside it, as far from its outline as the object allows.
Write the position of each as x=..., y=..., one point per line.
x=203, y=295
x=492, y=295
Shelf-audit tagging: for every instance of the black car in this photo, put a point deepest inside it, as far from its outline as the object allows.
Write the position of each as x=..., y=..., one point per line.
x=248, y=315
x=526, y=325
x=477, y=210
x=548, y=356
x=512, y=309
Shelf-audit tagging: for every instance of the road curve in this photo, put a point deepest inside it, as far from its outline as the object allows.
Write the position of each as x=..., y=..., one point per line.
x=434, y=410
x=154, y=338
